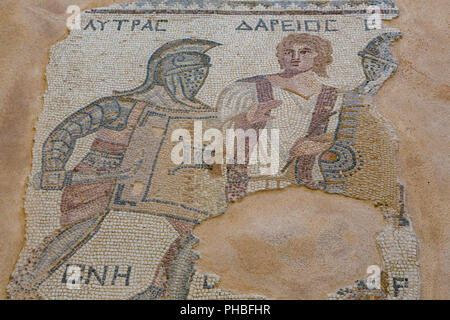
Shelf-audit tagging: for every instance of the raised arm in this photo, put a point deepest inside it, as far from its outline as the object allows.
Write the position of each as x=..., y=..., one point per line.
x=59, y=145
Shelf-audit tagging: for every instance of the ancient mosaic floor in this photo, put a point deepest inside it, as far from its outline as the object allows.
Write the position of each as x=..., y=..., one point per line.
x=135, y=193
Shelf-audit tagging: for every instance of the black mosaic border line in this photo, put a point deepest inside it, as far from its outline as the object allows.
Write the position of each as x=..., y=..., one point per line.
x=231, y=12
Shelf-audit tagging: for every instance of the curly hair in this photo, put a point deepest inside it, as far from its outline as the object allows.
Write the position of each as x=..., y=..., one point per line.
x=321, y=46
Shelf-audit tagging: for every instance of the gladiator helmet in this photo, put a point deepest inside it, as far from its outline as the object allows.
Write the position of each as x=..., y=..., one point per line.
x=181, y=66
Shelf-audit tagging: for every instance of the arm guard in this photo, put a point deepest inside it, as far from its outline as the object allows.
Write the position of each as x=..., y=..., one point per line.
x=60, y=143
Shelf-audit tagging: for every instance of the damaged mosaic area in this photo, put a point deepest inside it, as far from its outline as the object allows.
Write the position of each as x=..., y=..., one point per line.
x=110, y=216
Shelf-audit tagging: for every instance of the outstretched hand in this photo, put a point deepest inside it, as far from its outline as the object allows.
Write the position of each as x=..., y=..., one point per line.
x=310, y=146
x=261, y=111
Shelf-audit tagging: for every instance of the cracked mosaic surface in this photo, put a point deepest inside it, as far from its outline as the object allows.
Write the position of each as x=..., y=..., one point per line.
x=133, y=242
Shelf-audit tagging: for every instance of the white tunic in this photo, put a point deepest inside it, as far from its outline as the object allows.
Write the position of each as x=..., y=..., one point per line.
x=292, y=118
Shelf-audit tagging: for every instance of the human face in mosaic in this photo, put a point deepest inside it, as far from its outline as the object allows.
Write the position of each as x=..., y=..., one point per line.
x=299, y=58
x=127, y=208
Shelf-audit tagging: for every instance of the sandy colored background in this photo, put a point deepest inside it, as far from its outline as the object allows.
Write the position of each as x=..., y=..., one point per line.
x=416, y=100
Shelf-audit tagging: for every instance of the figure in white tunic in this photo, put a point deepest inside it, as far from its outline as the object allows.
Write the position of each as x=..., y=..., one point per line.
x=297, y=102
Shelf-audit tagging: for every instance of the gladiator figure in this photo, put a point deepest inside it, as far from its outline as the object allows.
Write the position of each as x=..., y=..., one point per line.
x=128, y=172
